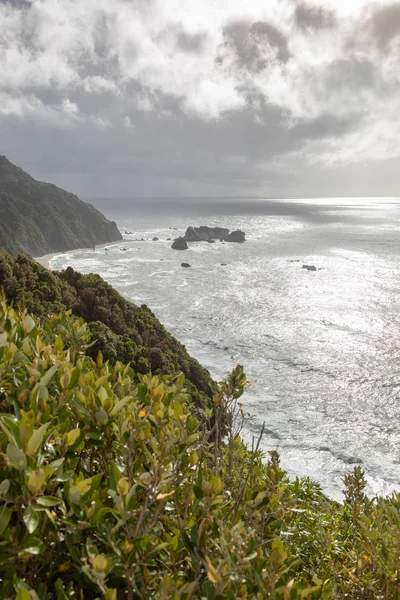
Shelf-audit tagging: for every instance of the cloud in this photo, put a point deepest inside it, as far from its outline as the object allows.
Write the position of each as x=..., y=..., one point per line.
x=308, y=16
x=385, y=24
x=191, y=42
x=201, y=89
x=254, y=45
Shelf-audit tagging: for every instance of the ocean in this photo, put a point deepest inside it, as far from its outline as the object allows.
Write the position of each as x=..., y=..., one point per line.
x=321, y=349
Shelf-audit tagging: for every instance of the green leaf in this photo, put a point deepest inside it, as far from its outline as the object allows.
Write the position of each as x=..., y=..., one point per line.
x=198, y=492
x=11, y=429
x=72, y=436
x=119, y=405
x=16, y=457
x=56, y=463
x=36, y=480
x=33, y=546
x=5, y=516
x=115, y=475
x=36, y=439
x=48, y=375
x=76, y=373
x=102, y=394
x=4, y=487
x=123, y=486
x=66, y=476
x=48, y=500
x=31, y=519
x=23, y=594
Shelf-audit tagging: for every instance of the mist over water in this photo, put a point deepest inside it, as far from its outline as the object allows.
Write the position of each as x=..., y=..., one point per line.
x=321, y=348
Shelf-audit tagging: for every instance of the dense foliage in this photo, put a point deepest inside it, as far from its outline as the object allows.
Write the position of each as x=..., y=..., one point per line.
x=118, y=328
x=112, y=489
x=40, y=217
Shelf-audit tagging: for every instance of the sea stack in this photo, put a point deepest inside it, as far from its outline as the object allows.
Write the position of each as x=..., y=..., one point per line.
x=179, y=244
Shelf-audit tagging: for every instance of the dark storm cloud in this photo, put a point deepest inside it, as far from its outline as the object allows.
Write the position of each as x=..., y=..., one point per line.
x=188, y=42
x=314, y=17
x=251, y=44
x=385, y=24
x=324, y=126
x=353, y=73
x=262, y=32
x=18, y=3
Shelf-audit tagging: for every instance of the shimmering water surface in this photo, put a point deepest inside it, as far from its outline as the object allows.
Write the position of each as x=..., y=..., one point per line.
x=321, y=348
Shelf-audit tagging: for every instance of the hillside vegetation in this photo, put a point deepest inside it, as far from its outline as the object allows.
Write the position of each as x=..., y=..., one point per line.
x=118, y=328
x=111, y=488
x=38, y=218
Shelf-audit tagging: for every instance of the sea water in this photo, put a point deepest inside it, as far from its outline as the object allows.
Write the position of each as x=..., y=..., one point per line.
x=321, y=349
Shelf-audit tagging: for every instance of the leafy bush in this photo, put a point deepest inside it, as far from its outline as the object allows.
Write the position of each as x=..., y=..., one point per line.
x=111, y=488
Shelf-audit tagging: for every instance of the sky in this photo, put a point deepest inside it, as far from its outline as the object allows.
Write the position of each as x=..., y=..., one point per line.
x=149, y=98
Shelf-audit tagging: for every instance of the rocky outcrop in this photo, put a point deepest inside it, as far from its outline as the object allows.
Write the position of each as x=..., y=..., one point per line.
x=41, y=218
x=179, y=244
x=204, y=233
x=210, y=234
x=236, y=236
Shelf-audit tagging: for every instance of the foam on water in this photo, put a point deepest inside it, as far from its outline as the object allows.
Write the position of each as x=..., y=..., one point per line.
x=321, y=348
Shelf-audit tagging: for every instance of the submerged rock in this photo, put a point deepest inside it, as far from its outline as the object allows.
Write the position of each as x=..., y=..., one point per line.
x=309, y=267
x=179, y=244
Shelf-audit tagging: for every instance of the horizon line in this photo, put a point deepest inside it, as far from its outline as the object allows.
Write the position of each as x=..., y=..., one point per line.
x=318, y=197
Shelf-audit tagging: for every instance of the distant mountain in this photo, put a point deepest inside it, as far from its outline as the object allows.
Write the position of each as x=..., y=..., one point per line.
x=39, y=218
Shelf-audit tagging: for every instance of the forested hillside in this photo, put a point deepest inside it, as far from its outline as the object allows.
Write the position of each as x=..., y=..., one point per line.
x=38, y=218
x=120, y=329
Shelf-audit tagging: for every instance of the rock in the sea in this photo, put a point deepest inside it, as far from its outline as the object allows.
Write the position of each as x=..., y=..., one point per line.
x=309, y=267
x=155, y=239
x=186, y=265
x=236, y=236
x=224, y=264
x=211, y=241
x=179, y=244
x=204, y=233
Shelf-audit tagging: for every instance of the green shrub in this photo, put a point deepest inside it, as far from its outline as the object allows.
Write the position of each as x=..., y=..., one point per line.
x=111, y=488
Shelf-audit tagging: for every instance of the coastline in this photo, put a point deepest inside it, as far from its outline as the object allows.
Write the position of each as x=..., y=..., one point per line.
x=46, y=259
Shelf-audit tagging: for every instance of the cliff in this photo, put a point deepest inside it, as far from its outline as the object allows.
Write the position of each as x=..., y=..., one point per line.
x=38, y=218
